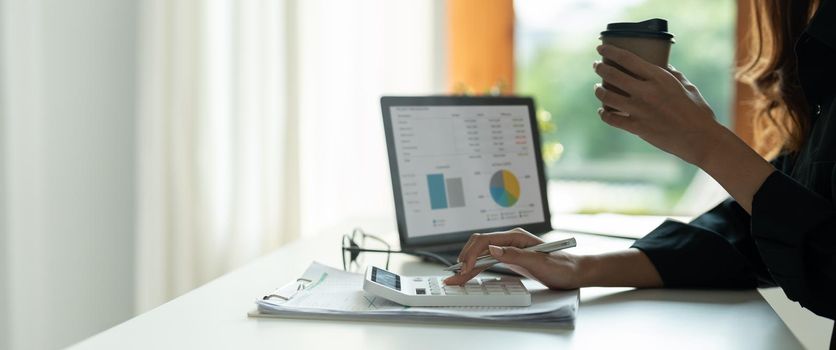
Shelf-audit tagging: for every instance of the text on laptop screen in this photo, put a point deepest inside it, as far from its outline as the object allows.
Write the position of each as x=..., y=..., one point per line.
x=466, y=167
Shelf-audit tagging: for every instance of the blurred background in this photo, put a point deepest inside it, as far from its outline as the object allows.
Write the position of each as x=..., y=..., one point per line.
x=151, y=146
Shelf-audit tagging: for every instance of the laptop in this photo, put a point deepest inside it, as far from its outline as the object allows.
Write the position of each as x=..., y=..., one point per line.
x=463, y=165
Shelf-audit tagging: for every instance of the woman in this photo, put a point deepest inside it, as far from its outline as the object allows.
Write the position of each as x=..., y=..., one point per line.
x=778, y=227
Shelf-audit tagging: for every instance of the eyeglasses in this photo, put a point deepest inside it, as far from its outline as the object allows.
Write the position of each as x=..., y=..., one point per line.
x=355, y=242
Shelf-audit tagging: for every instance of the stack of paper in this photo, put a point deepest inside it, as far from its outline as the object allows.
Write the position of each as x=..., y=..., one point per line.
x=336, y=294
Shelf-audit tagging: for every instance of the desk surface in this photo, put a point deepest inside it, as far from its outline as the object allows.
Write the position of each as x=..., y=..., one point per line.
x=215, y=316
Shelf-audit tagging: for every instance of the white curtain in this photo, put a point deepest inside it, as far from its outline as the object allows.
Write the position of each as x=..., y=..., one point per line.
x=216, y=168
x=260, y=123
x=350, y=53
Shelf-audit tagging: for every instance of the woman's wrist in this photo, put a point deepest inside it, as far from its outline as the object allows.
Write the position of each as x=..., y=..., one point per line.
x=626, y=268
x=735, y=165
x=709, y=143
x=588, y=268
x=717, y=142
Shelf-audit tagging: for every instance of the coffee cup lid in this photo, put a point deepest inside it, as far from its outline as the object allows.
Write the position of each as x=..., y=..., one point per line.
x=652, y=28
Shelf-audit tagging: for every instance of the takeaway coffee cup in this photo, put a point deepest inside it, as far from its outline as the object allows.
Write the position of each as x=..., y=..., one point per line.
x=648, y=39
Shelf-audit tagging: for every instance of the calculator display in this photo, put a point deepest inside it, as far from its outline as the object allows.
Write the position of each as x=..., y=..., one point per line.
x=386, y=278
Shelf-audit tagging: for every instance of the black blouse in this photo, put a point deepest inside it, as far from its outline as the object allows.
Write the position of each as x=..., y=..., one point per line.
x=790, y=238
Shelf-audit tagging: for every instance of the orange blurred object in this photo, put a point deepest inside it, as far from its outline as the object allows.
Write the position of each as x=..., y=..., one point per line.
x=480, y=43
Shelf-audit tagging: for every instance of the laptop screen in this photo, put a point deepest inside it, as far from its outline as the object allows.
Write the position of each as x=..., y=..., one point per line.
x=462, y=165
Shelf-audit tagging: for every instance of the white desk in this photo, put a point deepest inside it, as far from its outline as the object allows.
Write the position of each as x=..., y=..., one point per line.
x=214, y=316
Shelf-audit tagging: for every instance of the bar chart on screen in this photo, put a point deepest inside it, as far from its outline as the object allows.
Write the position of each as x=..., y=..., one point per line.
x=445, y=193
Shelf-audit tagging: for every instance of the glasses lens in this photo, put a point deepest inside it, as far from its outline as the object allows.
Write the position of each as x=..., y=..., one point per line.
x=351, y=252
x=358, y=242
x=355, y=259
x=345, y=253
x=380, y=257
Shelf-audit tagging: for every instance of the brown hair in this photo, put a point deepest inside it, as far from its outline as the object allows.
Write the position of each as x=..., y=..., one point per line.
x=781, y=119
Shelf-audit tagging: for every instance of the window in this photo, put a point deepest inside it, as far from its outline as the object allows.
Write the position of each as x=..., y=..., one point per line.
x=612, y=169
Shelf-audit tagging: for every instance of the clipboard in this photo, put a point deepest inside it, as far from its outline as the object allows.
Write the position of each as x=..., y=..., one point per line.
x=288, y=291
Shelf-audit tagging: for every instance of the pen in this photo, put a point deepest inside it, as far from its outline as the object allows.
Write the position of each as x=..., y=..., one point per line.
x=548, y=247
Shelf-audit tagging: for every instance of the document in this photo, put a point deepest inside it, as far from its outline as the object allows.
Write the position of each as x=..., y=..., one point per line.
x=332, y=293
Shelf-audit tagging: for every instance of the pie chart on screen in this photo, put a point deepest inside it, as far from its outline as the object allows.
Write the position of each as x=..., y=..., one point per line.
x=505, y=189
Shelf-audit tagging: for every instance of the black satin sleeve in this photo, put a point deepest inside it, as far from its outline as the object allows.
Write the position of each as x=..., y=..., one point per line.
x=789, y=241
x=794, y=228
x=715, y=250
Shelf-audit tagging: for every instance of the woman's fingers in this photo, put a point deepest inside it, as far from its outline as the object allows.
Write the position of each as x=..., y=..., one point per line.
x=478, y=244
x=683, y=80
x=629, y=61
x=467, y=245
x=616, y=77
x=462, y=278
x=619, y=121
x=678, y=75
x=516, y=256
x=511, y=255
x=613, y=99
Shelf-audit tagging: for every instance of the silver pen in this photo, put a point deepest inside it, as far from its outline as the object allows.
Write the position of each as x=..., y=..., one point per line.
x=548, y=247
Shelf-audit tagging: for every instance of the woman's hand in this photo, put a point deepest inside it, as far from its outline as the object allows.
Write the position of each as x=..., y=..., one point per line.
x=666, y=110
x=558, y=270
x=663, y=107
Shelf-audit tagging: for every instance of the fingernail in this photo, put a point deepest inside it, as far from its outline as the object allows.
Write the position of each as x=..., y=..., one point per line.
x=600, y=111
x=496, y=251
x=594, y=64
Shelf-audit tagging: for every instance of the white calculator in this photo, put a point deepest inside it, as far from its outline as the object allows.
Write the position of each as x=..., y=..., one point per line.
x=430, y=291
